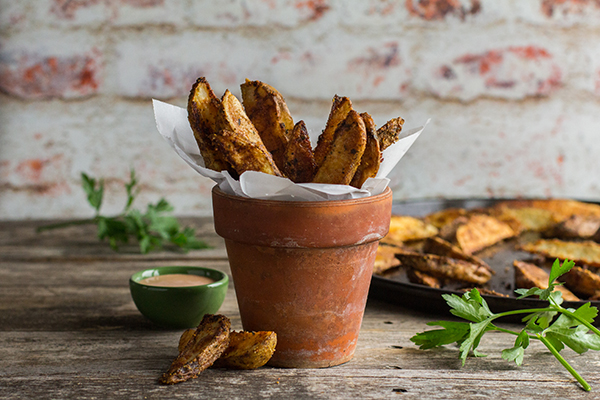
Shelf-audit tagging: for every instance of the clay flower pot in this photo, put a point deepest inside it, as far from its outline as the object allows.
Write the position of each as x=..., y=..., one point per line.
x=303, y=270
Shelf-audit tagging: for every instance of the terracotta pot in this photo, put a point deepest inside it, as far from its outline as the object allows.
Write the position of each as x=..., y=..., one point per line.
x=303, y=270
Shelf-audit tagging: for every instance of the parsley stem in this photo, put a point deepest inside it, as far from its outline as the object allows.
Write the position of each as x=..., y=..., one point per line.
x=65, y=224
x=583, y=322
x=555, y=353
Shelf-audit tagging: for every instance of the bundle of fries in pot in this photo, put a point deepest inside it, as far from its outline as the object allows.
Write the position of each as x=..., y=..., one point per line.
x=259, y=134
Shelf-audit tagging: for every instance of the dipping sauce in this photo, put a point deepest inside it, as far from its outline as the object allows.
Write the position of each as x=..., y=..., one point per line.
x=176, y=280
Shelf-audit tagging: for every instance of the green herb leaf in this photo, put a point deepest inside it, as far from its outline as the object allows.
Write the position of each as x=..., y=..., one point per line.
x=559, y=269
x=94, y=195
x=514, y=354
x=452, y=332
x=571, y=328
x=152, y=230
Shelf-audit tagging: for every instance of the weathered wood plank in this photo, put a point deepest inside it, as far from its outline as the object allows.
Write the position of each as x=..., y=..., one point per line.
x=69, y=329
x=19, y=241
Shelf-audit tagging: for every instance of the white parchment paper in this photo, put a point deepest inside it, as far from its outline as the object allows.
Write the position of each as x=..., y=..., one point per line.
x=172, y=123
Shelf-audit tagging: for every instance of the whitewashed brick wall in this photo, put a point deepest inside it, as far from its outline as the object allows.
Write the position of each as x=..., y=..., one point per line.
x=512, y=88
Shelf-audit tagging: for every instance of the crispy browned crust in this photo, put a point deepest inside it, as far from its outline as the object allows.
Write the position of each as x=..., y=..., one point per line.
x=203, y=115
x=269, y=113
x=340, y=108
x=203, y=347
x=486, y=291
x=385, y=259
x=529, y=275
x=349, y=143
x=299, y=161
x=444, y=217
x=446, y=267
x=585, y=252
x=576, y=227
x=248, y=350
x=243, y=154
x=522, y=219
x=582, y=281
x=389, y=133
x=481, y=231
x=404, y=228
x=437, y=245
x=371, y=158
x=422, y=278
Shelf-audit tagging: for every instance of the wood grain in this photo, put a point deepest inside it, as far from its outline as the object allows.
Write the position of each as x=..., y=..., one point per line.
x=69, y=329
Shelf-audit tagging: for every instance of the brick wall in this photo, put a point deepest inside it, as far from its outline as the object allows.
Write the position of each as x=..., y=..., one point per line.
x=512, y=87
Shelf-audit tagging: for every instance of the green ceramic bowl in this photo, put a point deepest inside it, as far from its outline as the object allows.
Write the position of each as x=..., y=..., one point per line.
x=178, y=307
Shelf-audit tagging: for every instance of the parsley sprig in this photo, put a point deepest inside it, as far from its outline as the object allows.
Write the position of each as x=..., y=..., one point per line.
x=554, y=325
x=152, y=229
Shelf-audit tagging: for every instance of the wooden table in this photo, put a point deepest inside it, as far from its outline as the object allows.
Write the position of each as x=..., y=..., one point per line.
x=69, y=329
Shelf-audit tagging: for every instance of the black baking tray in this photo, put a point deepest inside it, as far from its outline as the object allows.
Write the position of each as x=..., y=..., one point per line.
x=394, y=287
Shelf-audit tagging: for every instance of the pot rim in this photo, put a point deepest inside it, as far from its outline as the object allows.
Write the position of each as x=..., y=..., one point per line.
x=292, y=203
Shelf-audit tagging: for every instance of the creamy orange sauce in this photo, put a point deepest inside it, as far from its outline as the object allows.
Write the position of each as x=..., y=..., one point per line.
x=176, y=280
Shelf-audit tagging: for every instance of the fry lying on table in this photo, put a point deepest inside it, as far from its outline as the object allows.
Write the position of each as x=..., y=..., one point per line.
x=212, y=343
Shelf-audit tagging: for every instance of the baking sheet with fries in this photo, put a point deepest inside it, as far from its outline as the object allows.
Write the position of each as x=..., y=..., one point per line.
x=424, y=253
x=254, y=148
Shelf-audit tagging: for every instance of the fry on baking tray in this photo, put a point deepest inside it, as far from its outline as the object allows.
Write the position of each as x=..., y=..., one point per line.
x=516, y=243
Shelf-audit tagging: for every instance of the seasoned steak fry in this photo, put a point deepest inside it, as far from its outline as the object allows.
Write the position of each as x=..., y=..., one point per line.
x=582, y=281
x=586, y=252
x=339, y=166
x=248, y=350
x=446, y=267
x=203, y=347
x=243, y=154
x=528, y=275
x=385, y=259
x=437, y=245
x=481, y=231
x=416, y=276
x=204, y=116
x=404, y=228
x=371, y=158
x=299, y=162
x=389, y=133
x=576, y=227
x=269, y=113
x=525, y=218
x=340, y=108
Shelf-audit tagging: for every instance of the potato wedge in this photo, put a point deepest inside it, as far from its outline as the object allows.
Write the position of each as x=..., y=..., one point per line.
x=525, y=218
x=389, y=133
x=529, y=275
x=422, y=278
x=481, y=231
x=270, y=115
x=582, y=281
x=202, y=349
x=385, y=259
x=444, y=217
x=564, y=208
x=441, y=247
x=340, y=108
x=243, y=154
x=445, y=267
x=340, y=164
x=204, y=116
x=404, y=228
x=248, y=350
x=586, y=252
x=371, y=159
x=577, y=227
x=299, y=161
